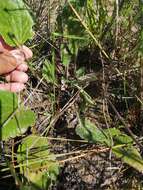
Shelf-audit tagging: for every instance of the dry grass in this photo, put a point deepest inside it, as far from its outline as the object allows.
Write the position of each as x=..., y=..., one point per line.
x=111, y=54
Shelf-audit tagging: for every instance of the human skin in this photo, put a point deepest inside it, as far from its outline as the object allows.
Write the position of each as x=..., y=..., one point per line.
x=13, y=66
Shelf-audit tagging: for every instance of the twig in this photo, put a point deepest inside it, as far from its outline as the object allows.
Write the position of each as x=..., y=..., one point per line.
x=125, y=124
x=89, y=32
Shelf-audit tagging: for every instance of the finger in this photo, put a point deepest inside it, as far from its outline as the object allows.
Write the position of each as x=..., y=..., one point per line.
x=18, y=55
x=7, y=63
x=17, y=76
x=23, y=49
x=13, y=87
x=22, y=54
x=4, y=46
x=27, y=52
x=23, y=67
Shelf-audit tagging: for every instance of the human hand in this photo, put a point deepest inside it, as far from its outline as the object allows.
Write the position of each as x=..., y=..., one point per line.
x=13, y=66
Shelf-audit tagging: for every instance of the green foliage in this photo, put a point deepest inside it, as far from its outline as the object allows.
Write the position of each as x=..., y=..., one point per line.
x=37, y=164
x=15, y=22
x=66, y=58
x=129, y=155
x=49, y=71
x=67, y=20
x=71, y=29
x=97, y=16
x=89, y=131
x=121, y=144
x=38, y=167
x=14, y=121
x=114, y=25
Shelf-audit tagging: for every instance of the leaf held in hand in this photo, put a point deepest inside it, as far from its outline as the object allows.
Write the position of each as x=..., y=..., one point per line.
x=15, y=22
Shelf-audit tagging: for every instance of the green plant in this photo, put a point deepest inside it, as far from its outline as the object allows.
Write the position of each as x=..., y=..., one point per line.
x=37, y=164
x=102, y=23
x=16, y=28
x=14, y=119
x=94, y=57
x=49, y=71
x=120, y=143
x=16, y=22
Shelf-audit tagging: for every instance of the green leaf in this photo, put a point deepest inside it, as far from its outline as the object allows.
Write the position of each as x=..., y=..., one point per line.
x=8, y=104
x=36, y=162
x=49, y=72
x=123, y=139
x=80, y=72
x=16, y=125
x=66, y=57
x=129, y=155
x=15, y=22
x=73, y=37
x=122, y=143
x=89, y=131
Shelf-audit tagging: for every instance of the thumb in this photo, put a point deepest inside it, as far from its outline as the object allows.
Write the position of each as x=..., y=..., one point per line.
x=7, y=62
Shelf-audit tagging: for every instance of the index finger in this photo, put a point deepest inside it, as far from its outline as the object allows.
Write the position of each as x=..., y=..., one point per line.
x=26, y=51
x=21, y=54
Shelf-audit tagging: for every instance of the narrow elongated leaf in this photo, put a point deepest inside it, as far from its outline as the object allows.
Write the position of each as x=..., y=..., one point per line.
x=122, y=139
x=89, y=131
x=131, y=156
x=15, y=22
x=49, y=72
x=127, y=153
